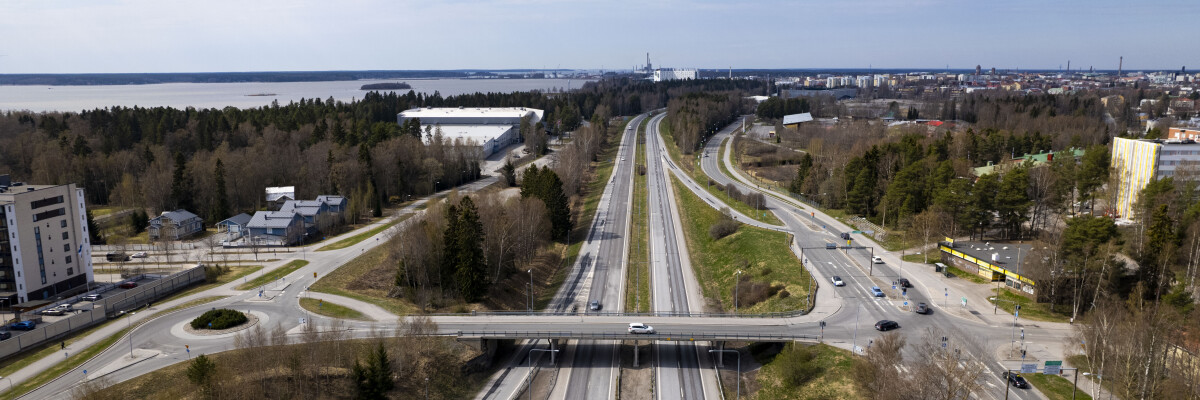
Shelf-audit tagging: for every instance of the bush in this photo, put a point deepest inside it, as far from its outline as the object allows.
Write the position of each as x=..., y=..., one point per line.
x=798, y=364
x=220, y=318
x=723, y=228
x=212, y=272
x=750, y=293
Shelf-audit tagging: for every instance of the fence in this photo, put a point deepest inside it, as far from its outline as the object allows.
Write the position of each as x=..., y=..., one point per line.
x=664, y=336
x=109, y=307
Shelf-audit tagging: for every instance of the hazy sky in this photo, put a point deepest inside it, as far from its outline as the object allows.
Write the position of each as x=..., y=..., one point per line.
x=67, y=36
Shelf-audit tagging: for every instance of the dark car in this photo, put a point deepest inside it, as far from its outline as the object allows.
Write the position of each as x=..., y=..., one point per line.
x=904, y=283
x=845, y=235
x=23, y=325
x=922, y=308
x=594, y=305
x=1015, y=379
x=127, y=285
x=886, y=325
x=5, y=335
x=92, y=297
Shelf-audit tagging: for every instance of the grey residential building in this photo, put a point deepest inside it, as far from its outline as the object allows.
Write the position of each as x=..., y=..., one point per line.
x=44, y=249
x=174, y=225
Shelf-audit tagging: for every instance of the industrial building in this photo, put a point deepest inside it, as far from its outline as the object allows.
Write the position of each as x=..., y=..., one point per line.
x=1139, y=161
x=675, y=74
x=491, y=129
x=44, y=251
x=992, y=261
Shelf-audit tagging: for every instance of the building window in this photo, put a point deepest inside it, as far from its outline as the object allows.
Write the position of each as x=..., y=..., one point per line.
x=62, y=224
x=70, y=271
x=67, y=247
x=68, y=262
x=64, y=236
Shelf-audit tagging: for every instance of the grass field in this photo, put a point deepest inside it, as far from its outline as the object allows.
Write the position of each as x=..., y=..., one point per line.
x=835, y=380
x=336, y=282
x=1056, y=387
x=637, y=278
x=331, y=309
x=1029, y=309
x=353, y=240
x=688, y=163
x=273, y=275
x=761, y=254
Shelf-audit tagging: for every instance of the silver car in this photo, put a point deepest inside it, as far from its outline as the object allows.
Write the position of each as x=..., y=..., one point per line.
x=638, y=327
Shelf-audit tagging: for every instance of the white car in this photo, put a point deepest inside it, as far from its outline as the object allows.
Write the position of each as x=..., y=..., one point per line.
x=877, y=260
x=837, y=281
x=638, y=327
x=140, y=254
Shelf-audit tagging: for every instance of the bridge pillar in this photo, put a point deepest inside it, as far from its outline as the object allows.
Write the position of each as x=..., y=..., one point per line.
x=553, y=351
x=636, y=350
x=720, y=354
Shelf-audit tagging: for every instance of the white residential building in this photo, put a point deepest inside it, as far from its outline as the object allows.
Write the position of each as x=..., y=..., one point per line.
x=44, y=251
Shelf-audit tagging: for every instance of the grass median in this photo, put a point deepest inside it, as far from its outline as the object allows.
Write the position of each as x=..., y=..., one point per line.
x=688, y=163
x=273, y=275
x=637, y=278
x=356, y=239
x=1031, y=310
x=1056, y=387
x=332, y=310
x=777, y=281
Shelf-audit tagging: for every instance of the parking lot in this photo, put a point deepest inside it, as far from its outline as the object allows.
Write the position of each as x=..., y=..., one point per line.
x=77, y=307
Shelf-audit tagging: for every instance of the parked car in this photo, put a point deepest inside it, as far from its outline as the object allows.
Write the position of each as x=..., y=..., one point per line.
x=922, y=308
x=876, y=292
x=886, y=325
x=127, y=285
x=54, y=311
x=594, y=305
x=831, y=246
x=904, y=283
x=92, y=297
x=140, y=254
x=638, y=327
x=877, y=260
x=5, y=335
x=1015, y=379
x=23, y=325
x=837, y=281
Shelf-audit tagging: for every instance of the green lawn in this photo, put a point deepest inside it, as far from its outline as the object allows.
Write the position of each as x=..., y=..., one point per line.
x=353, y=240
x=76, y=358
x=336, y=282
x=763, y=255
x=637, y=278
x=273, y=275
x=834, y=381
x=1055, y=387
x=1029, y=309
x=331, y=309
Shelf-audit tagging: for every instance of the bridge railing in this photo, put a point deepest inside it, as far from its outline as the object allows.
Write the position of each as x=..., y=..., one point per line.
x=782, y=314
x=663, y=336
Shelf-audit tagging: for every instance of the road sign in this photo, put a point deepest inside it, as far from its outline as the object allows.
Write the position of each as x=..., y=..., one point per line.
x=1028, y=368
x=964, y=301
x=906, y=303
x=1053, y=367
x=855, y=231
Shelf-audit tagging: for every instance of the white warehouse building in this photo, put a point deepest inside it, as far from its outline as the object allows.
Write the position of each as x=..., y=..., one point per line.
x=491, y=129
x=674, y=74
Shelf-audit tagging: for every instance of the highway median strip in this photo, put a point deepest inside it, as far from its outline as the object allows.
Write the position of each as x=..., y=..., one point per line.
x=275, y=274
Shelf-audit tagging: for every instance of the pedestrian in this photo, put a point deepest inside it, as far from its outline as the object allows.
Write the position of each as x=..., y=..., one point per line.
x=63, y=345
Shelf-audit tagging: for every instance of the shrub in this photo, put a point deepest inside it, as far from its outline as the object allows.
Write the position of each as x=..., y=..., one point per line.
x=798, y=364
x=723, y=228
x=220, y=318
x=750, y=293
x=212, y=272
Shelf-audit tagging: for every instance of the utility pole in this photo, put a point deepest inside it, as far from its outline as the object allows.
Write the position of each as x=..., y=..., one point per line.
x=739, y=368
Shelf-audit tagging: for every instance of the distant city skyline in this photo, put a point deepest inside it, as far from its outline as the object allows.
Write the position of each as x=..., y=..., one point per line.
x=115, y=36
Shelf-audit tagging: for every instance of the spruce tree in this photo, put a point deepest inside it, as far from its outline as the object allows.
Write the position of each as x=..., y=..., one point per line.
x=221, y=210
x=181, y=185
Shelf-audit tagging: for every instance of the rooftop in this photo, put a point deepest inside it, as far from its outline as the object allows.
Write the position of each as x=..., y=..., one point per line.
x=479, y=133
x=271, y=219
x=1006, y=255
x=797, y=118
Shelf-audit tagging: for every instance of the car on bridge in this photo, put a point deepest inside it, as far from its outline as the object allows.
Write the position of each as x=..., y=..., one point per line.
x=837, y=281
x=875, y=291
x=638, y=327
x=886, y=325
x=140, y=254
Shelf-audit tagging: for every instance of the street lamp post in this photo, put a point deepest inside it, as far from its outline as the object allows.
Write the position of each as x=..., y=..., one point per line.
x=736, y=280
x=531, y=290
x=529, y=356
x=739, y=368
x=129, y=325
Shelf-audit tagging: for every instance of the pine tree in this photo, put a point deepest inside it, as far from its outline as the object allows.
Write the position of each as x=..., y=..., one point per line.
x=470, y=269
x=221, y=211
x=181, y=185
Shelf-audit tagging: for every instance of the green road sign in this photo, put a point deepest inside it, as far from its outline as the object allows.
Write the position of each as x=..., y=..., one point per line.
x=1053, y=367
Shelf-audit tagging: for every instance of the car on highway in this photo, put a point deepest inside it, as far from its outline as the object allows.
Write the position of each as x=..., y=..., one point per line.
x=127, y=285
x=922, y=308
x=845, y=235
x=886, y=325
x=92, y=297
x=638, y=327
x=23, y=325
x=904, y=283
x=875, y=291
x=837, y=281
x=1015, y=379
x=877, y=260
x=594, y=305
x=140, y=254
x=831, y=246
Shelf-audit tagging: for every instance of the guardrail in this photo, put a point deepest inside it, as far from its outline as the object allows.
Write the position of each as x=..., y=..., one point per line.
x=661, y=336
x=109, y=306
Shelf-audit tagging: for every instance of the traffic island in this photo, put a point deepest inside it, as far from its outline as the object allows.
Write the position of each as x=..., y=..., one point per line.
x=220, y=321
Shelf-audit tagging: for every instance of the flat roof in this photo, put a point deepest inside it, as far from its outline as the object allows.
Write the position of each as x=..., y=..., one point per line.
x=470, y=112
x=1008, y=255
x=479, y=133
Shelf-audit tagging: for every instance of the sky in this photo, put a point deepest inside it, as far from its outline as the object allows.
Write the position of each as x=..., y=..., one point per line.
x=110, y=36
